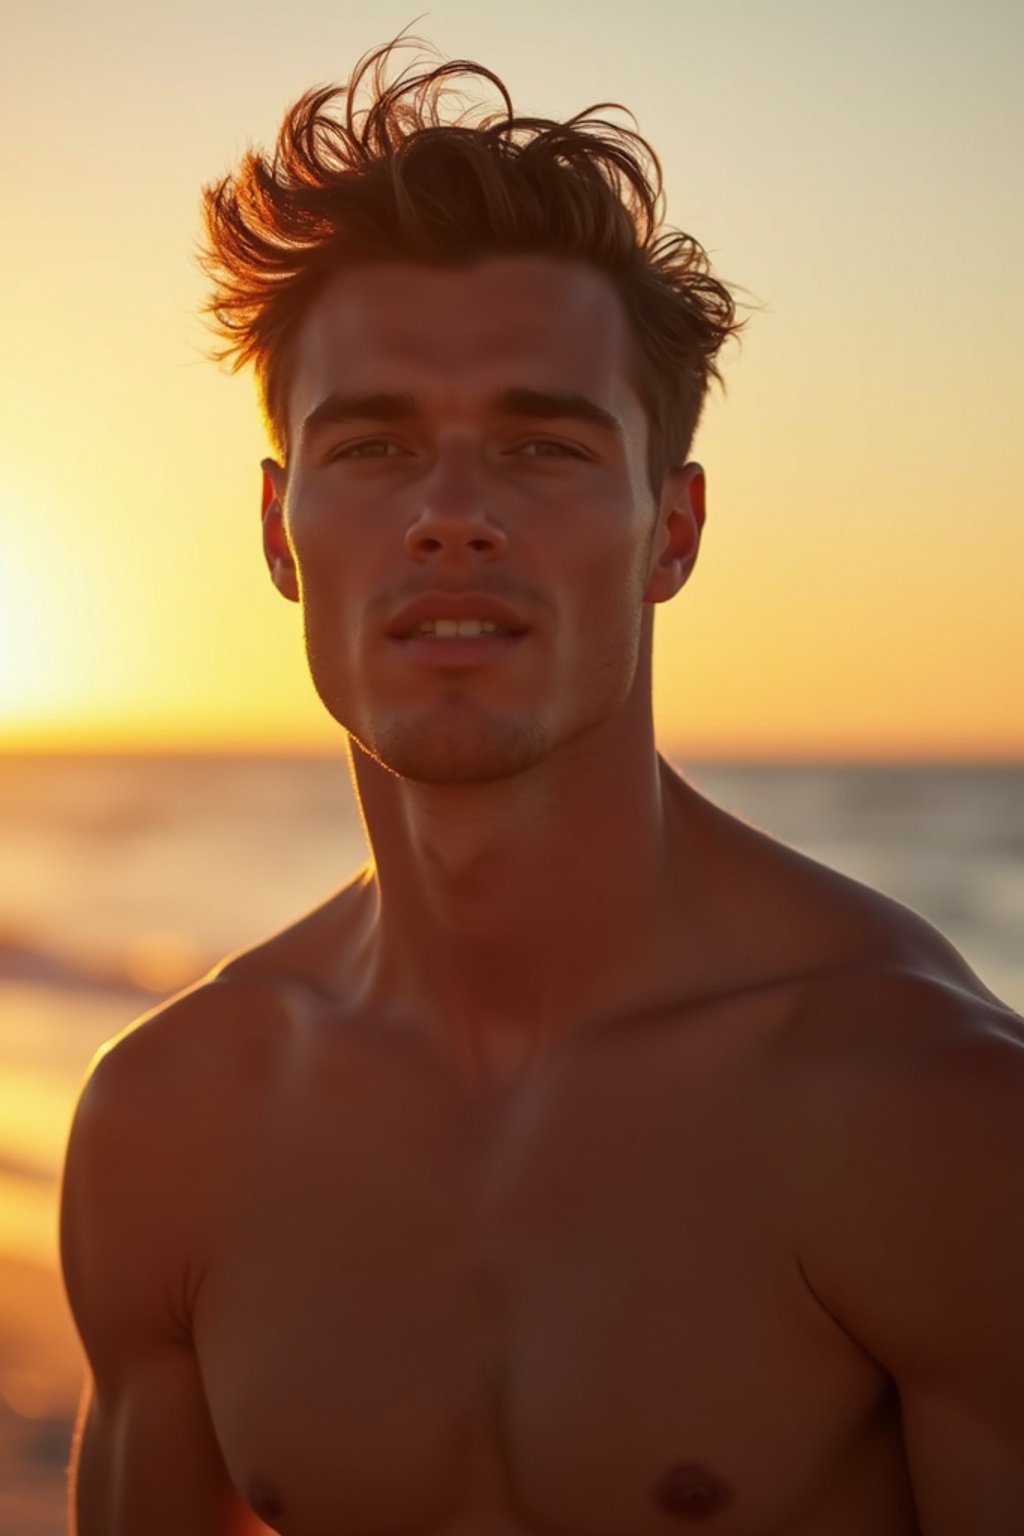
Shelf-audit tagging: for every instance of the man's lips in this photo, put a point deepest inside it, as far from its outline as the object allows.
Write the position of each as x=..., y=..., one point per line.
x=447, y=652
x=456, y=605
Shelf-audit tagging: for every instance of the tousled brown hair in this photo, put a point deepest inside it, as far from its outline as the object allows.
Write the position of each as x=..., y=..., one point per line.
x=402, y=178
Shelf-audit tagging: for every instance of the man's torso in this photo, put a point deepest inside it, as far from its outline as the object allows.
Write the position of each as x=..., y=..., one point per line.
x=573, y=1305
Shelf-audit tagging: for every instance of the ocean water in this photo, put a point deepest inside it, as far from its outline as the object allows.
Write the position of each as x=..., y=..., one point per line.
x=123, y=879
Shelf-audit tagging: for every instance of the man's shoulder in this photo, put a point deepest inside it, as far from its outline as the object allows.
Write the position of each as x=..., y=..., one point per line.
x=895, y=1018
x=824, y=928
x=236, y=1019
x=184, y=1048
x=892, y=1046
x=160, y=1110
x=911, y=1124
x=899, y=1070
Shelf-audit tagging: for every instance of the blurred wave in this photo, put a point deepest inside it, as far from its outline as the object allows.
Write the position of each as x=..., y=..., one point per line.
x=23, y=960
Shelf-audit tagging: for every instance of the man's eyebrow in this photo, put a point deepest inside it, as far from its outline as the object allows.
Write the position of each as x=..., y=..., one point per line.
x=520, y=401
x=338, y=408
x=553, y=405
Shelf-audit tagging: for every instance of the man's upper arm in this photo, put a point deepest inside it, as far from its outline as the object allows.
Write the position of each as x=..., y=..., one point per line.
x=917, y=1247
x=147, y=1458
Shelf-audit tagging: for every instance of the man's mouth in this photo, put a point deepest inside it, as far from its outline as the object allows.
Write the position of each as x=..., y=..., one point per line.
x=462, y=616
x=462, y=629
x=457, y=643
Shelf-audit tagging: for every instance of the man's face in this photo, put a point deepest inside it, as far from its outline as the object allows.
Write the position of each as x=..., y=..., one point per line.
x=458, y=437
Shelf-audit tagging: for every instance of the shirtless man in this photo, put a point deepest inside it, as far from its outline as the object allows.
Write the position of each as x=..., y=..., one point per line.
x=592, y=1163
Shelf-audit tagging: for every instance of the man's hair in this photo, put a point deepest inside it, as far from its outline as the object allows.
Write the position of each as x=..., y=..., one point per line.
x=392, y=180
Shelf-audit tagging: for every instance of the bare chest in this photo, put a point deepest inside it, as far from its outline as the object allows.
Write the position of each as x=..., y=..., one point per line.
x=584, y=1312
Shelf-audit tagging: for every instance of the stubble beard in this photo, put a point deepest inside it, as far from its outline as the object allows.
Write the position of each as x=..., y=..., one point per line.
x=438, y=750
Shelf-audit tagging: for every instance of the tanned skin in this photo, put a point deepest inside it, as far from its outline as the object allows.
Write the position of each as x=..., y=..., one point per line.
x=591, y=1162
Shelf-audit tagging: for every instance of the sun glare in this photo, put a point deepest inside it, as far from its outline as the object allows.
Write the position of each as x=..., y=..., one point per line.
x=48, y=655
x=22, y=668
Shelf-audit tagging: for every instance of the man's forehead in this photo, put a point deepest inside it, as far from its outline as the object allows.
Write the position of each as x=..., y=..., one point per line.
x=555, y=322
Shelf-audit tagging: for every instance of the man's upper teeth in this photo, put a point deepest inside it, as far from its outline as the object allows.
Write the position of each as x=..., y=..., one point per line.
x=449, y=628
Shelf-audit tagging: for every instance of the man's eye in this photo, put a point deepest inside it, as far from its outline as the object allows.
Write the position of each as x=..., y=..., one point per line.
x=369, y=448
x=545, y=447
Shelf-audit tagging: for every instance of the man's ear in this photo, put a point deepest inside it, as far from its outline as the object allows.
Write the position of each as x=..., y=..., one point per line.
x=681, y=514
x=276, y=548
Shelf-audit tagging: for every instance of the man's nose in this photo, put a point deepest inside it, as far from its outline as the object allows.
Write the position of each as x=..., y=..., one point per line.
x=456, y=518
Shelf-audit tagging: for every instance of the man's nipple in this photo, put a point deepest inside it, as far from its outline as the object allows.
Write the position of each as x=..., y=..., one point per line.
x=692, y=1492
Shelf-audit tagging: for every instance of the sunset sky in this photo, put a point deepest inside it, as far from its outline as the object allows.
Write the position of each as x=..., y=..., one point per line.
x=856, y=168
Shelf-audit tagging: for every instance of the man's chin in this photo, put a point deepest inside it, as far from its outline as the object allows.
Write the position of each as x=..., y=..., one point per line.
x=435, y=755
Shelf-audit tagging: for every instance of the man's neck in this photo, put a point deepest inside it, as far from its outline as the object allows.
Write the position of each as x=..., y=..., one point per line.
x=505, y=914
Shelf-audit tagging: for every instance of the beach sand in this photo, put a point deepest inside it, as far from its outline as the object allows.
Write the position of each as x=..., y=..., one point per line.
x=41, y=1376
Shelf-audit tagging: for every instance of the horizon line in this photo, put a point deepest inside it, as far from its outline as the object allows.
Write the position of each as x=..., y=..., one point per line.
x=677, y=753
